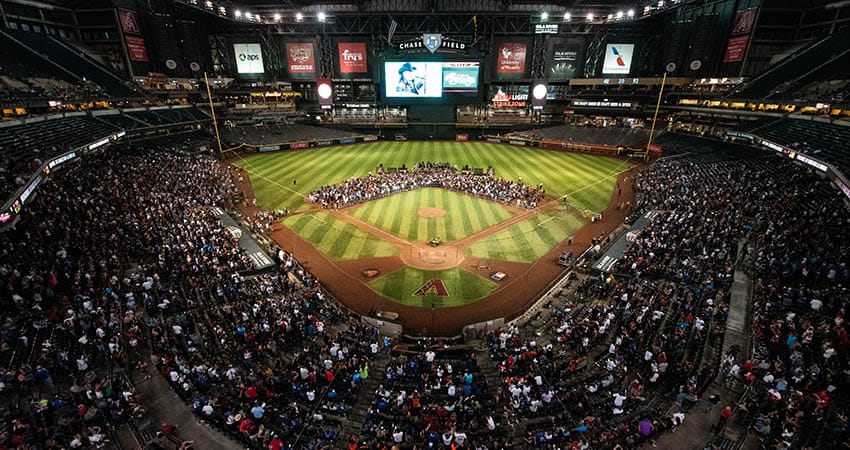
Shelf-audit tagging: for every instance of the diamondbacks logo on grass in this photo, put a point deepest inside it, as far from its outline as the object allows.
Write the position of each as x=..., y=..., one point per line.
x=433, y=287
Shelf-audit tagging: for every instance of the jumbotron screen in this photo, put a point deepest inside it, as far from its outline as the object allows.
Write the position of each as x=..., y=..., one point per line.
x=411, y=79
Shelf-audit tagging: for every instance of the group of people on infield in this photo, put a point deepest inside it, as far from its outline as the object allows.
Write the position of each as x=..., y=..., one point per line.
x=384, y=183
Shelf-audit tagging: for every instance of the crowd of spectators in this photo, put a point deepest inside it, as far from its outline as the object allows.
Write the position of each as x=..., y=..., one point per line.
x=69, y=316
x=427, y=174
x=795, y=228
x=432, y=398
x=121, y=260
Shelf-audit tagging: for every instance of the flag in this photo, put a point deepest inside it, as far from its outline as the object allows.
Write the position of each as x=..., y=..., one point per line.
x=391, y=31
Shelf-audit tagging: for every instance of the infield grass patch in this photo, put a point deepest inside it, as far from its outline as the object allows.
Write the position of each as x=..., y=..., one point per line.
x=528, y=240
x=337, y=239
x=398, y=214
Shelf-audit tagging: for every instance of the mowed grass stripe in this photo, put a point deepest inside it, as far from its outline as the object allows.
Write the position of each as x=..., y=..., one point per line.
x=392, y=219
x=465, y=203
x=429, y=198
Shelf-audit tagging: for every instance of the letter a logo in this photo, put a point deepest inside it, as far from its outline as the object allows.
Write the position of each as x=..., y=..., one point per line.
x=433, y=287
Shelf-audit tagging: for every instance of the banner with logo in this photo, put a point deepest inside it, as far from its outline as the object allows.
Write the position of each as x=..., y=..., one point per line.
x=742, y=26
x=744, y=21
x=249, y=58
x=511, y=57
x=129, y=21
x=352, y=57
x=300, y=58
x=618, y=59
x=736, y=48
x=136, y=50
x=563, y=59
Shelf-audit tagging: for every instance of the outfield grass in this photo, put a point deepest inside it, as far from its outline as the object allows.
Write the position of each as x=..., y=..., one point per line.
x=528, y=240
x=587, y=180
x=338, y=240
x=462, y=286
x=465, y=214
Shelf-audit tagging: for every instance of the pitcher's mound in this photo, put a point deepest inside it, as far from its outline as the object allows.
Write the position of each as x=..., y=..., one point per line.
x=431, y=213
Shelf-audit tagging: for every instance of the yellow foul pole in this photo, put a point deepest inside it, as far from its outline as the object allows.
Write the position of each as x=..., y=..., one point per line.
x=212, y=111
x=657, y=105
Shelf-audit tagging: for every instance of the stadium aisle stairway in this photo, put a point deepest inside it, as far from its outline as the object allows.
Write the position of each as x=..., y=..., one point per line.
x=353, y=424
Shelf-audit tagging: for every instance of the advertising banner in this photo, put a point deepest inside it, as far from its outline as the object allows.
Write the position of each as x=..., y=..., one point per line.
x=249, y=58
x=297, y=145
x=736, y=49
x=511, y=58
x=136, y=49
x=618, y=59
x=300, y=58
x=352, y=57
x=563, y=60
x=462, y=137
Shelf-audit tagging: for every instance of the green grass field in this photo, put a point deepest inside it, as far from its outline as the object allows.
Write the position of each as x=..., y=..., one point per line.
x=463, y=287
x=528, y=240
x=465, y=214
x=338, y=240
x=588, y=180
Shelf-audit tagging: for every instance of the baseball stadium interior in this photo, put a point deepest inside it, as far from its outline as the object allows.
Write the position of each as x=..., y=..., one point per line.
x=424, y=224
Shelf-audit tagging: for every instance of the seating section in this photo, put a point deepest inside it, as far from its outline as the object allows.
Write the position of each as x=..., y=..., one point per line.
x=795, y=66
x=824, y=141
x=703, y=149
x=25, y=76
x=611, y=136
x=72, y=60
x=280, y=133
x=23, y=147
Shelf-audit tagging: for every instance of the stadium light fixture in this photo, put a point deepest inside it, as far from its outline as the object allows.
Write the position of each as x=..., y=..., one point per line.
x=619, y=14
x=277, y=17
x=568, y=16
x=660, y=3
x=248, y=15
x=631, y=13
x=544, y=16
x=237, y=13
x=299, y=17
x=322, y=16
x=590, y=17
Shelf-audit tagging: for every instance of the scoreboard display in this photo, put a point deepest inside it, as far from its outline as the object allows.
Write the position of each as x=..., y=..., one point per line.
x=430, y=79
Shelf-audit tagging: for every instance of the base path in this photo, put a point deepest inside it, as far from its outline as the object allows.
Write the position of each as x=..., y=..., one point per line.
x=516, y=293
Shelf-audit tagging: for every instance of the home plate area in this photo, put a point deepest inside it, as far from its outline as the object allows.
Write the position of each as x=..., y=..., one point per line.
x=432, y=256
